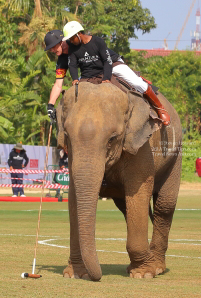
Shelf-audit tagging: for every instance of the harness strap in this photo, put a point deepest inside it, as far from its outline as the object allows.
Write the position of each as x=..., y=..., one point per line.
x=76, y=92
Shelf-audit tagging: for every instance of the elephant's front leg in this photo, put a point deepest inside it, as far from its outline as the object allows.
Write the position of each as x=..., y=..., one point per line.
x=75, y=268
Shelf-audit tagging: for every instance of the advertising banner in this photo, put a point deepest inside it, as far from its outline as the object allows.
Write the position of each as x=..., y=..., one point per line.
x=62, y=179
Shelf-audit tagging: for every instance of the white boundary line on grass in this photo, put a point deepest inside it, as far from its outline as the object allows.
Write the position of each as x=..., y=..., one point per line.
x=21, y=235
x=123, y=239
x=66, y=210
x=104, y=239
x=187, y=209
x=56, y=238
x=44, y=242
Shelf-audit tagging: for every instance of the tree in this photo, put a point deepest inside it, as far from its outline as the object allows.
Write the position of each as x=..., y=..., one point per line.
x=116, y=21
x=29, y=72
x=179, y=79
x=34, y=33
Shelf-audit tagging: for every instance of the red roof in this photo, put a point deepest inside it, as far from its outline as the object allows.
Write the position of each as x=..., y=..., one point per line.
x=161, y=52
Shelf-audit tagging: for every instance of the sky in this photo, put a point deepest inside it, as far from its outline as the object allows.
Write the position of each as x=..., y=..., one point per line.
x=170, y=16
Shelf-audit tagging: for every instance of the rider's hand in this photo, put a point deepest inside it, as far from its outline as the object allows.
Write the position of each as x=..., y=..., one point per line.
x=75, y=82
x=106, y=81
x=51, y=111
x=11, y=168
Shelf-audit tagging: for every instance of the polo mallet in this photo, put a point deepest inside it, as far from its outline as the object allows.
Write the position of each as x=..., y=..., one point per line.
x=25, y=275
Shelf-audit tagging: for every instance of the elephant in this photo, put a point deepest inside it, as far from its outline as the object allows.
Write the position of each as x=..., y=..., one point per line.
x=116, y=136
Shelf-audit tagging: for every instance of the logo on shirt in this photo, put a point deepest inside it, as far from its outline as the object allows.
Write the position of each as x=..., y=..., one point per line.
x=87, y=58
x=60, y=73
x=109, y=59
x=18, y=157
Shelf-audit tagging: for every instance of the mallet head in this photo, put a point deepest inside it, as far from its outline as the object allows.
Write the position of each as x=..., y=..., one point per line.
x=25, y=275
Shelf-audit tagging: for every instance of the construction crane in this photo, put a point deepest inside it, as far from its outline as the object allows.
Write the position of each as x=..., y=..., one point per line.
x=184, y=25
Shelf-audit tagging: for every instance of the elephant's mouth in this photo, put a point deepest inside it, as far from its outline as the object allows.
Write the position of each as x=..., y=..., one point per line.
x=114, y=150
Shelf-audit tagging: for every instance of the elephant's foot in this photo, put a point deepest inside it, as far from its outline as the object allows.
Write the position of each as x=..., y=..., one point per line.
x=159, y=257
x=147, y=268
x=160, y=264
x=77, y=271
x=142, y=271
x=153, y=265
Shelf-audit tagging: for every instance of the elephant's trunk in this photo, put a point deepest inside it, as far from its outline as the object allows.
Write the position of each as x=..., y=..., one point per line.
x=88, y=178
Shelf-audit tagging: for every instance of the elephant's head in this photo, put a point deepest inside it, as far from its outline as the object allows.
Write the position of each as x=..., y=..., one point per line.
x=99, y=126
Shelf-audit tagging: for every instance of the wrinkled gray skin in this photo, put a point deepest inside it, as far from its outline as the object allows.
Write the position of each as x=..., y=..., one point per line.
x=111, y=135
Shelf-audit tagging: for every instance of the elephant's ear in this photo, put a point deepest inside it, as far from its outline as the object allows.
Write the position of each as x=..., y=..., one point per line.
x=63, y=109
x=140, y=125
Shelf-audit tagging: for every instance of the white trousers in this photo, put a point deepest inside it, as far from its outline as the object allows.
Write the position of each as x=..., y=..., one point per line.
x=126, y=73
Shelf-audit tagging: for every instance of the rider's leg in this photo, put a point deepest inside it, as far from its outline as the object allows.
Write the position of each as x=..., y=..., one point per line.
x=126, y=73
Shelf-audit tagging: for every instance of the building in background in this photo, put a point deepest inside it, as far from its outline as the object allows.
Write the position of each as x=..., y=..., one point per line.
x=160, y=52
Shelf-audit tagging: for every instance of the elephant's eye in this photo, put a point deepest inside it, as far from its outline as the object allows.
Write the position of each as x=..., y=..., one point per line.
x=111, y=139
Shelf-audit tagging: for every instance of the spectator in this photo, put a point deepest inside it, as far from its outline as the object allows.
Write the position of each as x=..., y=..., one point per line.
x=63, y=163
x=16, y=161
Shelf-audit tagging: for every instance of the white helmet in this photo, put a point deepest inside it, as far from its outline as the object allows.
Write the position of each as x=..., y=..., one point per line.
x=71, y=28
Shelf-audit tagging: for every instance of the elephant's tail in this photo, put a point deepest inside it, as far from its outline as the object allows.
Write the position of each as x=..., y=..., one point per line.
x=151, y=214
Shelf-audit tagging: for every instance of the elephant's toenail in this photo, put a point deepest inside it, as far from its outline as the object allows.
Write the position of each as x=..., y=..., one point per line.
x=137, y=275
x=159, y=271
x=148, y=275
x=66, y=275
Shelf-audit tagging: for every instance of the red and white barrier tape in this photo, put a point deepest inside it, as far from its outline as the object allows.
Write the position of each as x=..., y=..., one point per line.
x=33, y=171
x=21, y=179
x=52, y=186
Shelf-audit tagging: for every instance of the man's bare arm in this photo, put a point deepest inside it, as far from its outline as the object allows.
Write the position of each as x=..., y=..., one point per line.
x=56, y=90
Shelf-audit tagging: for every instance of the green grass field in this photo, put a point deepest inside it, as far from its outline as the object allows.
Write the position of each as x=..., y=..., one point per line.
x=18, y=223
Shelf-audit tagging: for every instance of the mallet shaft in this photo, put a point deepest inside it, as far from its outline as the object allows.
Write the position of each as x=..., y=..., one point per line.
x=41, y=198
